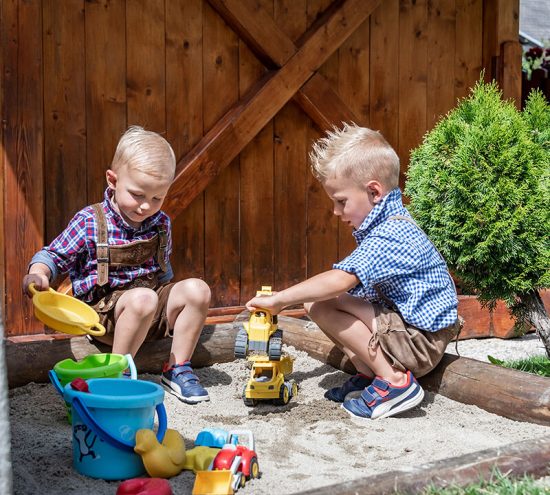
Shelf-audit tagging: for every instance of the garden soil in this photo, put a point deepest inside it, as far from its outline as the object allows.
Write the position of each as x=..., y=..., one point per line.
x=309, y=443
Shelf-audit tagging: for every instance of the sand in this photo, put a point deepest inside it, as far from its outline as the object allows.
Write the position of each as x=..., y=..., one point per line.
x=308, y=443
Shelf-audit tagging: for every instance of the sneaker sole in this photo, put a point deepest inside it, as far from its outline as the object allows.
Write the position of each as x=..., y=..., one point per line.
x=385, y=410
x=187, y=400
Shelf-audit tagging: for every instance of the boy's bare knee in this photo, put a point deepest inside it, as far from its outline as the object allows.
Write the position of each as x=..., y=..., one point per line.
x=193, y=291
x=142, y=302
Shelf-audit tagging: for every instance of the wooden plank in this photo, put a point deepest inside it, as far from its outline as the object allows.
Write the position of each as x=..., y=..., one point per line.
x=412, y=79
x=256, y=186
x=468, y=45
x=7, y=95
x=510, y=76
x=105, y=89
x=384, y=80
x=441, y=60
x=23, y=155
x=64, y=112
x=528, y=457
x=253, y=22
x=220, y=70
x=508, y=21
x=322, y=225
x=249, y=116
x=491, y=48
x=354, y=88
x=145, y=64
x=290, y=168
x=184, y=124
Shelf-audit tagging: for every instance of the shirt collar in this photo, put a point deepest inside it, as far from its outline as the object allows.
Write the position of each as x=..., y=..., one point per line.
x=391, y=204
x=119, y=221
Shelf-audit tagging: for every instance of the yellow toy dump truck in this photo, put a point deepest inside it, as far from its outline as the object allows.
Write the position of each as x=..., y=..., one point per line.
x=260, y=334
x=267, y=381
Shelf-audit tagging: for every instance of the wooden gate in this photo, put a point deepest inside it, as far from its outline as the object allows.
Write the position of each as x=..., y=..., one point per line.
x=240, y=88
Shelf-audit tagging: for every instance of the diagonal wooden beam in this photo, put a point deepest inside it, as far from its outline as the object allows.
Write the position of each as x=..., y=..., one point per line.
x=235, y=130
x=323, y=105
x=274, y=48
x=257, y=29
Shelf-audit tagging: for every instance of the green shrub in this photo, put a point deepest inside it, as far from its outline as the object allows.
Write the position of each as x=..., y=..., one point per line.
x=479, y=187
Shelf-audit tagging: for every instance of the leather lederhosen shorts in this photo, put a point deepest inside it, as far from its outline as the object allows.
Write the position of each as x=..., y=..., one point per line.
x=408, y=347
x=105, y=303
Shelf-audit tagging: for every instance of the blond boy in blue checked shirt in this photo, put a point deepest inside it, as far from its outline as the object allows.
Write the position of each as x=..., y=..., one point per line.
x=391, y=305
x=117, y=254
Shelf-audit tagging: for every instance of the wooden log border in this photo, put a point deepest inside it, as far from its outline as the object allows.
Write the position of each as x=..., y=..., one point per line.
x=529, y=457
x=506, y=392
x=509, y=393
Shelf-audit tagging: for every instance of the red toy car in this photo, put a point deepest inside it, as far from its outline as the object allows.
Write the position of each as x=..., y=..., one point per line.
x=240, y=459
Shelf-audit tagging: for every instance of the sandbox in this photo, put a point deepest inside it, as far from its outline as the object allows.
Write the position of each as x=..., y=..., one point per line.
x=311, y=444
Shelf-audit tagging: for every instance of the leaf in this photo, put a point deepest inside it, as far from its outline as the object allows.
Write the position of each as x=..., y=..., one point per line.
x=496, y=361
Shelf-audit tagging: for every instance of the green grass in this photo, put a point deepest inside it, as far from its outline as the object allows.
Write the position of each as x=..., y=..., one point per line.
x=499, y=484
x=537, y=365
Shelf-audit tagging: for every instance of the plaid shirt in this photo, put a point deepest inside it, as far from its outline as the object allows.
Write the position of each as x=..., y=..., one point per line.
x=74, y=250
x=397, y=257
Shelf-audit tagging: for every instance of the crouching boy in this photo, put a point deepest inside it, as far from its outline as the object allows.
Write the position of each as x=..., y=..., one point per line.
x=391, y=305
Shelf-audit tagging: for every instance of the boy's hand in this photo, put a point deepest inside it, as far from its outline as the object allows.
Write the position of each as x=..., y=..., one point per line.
x=40, y=281
x=270, y=303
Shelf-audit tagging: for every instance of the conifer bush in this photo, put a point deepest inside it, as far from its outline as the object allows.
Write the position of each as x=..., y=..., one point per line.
x=479, y=186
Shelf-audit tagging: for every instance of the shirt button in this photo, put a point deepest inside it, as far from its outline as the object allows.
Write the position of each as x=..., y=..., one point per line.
x=150, y=276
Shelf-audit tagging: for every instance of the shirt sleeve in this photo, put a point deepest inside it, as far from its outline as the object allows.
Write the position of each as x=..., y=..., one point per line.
x=65, y=248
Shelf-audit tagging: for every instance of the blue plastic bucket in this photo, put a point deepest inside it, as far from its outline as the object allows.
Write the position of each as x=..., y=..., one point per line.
x=105, y=422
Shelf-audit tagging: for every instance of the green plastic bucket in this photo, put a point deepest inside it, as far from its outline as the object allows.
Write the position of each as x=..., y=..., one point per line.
x=106, y=365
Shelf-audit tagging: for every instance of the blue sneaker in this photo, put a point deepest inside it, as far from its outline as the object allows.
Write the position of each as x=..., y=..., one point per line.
x=382, y=399
x=354, y=384
x=180, y=381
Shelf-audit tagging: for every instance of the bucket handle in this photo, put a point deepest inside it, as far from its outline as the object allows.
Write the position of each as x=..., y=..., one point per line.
x=55, y=382
x=132, y=366
x=82, y=410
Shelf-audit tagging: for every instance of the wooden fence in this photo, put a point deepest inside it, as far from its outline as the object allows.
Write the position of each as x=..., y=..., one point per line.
x=240, y=88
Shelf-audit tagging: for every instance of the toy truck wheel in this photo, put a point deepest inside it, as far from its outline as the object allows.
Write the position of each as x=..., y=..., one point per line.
x=276, y=345
x=241, y=343
x=254, y=468
x=293, y=388
x=239, y=481
x=248, y=402
x=284, y=396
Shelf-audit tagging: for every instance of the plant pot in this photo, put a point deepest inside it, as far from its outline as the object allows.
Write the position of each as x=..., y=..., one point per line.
x=479, y=322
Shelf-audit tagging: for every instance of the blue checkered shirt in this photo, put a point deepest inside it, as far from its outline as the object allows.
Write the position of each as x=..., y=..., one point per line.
x=74, y=250
x=397, y=257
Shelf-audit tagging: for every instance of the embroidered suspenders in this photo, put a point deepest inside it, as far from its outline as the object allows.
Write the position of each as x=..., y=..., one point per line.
x=132, y=254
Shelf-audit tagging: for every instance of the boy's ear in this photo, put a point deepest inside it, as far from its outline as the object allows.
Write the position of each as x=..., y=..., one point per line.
x=111, y=178
x=375, y=190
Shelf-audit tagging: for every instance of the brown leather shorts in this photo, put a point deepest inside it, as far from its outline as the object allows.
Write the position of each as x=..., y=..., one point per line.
x=408, y=347
x=105, y=308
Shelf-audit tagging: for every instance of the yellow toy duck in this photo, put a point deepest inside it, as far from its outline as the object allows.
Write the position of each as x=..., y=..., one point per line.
x=161, y=461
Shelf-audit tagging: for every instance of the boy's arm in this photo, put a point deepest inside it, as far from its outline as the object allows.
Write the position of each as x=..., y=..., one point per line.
x=326, y=285
x=59, y=257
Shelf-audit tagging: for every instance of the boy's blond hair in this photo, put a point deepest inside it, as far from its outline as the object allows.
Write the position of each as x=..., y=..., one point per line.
x=357, y=153
x=144, y=151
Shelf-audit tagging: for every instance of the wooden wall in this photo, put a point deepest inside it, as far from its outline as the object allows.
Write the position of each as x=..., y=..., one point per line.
x=240, y=88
